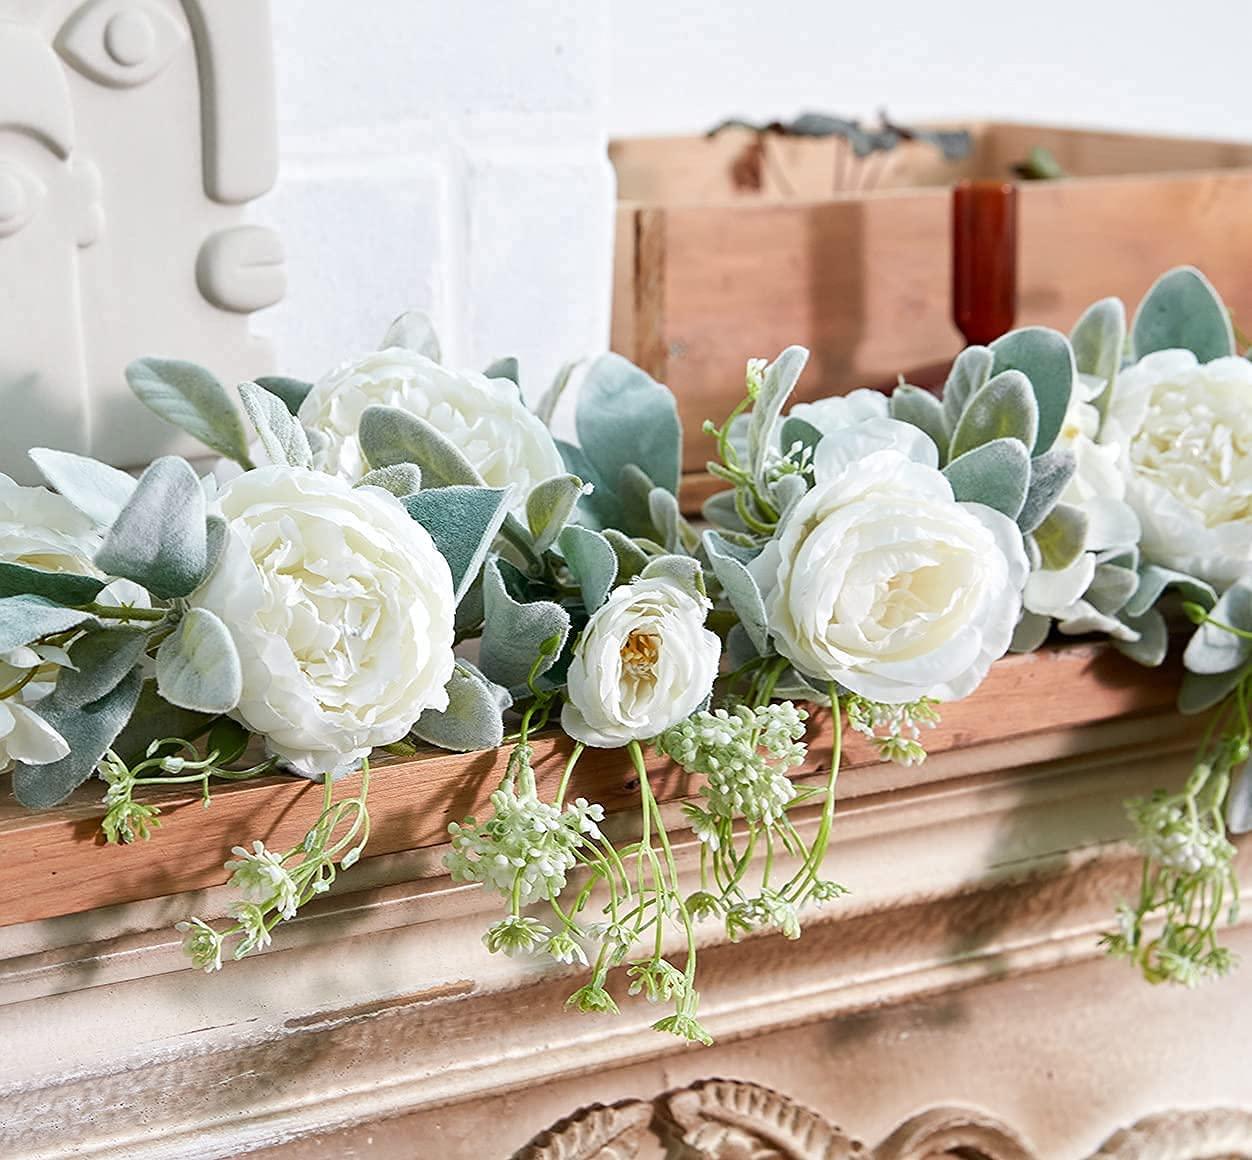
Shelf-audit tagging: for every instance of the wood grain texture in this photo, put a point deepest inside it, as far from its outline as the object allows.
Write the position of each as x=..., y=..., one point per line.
x=56, y=863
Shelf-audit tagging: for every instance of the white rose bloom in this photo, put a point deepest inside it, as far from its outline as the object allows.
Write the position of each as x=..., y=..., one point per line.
x=839, y=411
x=341, y=609
x=1185, y=435
x=485, y=418
x=879, y=580
x=644, y=662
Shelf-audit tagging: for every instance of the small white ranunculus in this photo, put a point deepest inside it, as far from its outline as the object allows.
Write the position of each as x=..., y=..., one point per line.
x=1184, y=430
x=485, y=418
x=644, y=662
x=879, y=580
x=840, y=411
x=341, y=608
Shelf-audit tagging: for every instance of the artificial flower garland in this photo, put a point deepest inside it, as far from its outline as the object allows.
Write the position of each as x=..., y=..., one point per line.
x=417, y=558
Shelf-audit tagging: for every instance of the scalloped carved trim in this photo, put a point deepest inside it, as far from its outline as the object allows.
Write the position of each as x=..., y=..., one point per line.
x=952, y=1132
x=1212, y=1134
x=594, y=1133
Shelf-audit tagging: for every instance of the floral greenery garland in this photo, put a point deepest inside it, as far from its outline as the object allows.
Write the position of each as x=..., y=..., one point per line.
x=872, y=554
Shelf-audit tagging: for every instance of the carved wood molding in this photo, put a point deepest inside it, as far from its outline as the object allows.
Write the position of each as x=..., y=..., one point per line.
x=719, y=1119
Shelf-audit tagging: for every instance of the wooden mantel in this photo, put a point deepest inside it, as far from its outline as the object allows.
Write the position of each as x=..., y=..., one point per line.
x=956, y=1003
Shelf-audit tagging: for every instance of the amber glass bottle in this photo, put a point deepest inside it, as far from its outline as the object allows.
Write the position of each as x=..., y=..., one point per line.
x=984, y=259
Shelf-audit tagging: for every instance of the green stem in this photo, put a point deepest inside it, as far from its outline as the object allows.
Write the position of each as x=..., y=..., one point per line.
x=110, y=612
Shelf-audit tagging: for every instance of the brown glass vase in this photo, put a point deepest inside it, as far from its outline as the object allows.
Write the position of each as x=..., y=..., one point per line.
x=984, y=259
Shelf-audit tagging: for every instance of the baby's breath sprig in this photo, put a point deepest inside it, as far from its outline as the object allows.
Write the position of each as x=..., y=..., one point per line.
x=895, y=730
x=273, y=887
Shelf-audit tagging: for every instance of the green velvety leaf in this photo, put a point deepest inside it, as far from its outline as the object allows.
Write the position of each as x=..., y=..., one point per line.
x=1061, y=536
x=89, y=730
x=463, y=522
x=102, y=657
x=505, y=368
x=969, y=374
x=1182, y=311
x=414, y=331
x=634, y=491
x=389, y=436
x=1153, y=643
x=282, y=437
x=191, y=398
x=1214, y=650
x=155, y=717
x=593, y=561
x=401, y=479
x=59, y=587
x=787, y=491
x=682, y=571
x=474, y=718
x=1004, y=409
x=924, y=411
x=159, y=538
x=95, y=489
x=631, y=559
x=729, y=565
x=514, y=633
x=673, y=531
x=1044, y=356
x=1099, y=340
x=292, y=392
x=1155, y=580
x=1111, y=587
x=625, y=417
x=550, y=506
x=777, y=384
x=24, y=619
x=1201, y=691
x=796, y=431
x=545, y=409
x=1050, y=474
x=197, y=667
x=469, y=612
x=719, y=510
x=1031, y=631
x=996, y=474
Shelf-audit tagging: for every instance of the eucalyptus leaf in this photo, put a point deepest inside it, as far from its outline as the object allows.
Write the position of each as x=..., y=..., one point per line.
x=198, y=667
x=158, y=539
x=1062, y=536
x=996, y=474
x=777, y=384
x=1031, y=631
x=1044, y=356
x=413, y=330
x=389, y=436
x=192, y=399
x=593, y=562
x=514, y=633
x=924, y=411
x=1099, y=340
x=401, y=479
x=102, y=656
x=1155, y=580
x=474, y=717
x=94, y=488
x=1153, y=643
x=60, y=587
x=1214, y=650
x=550, y=506
x=969, y=374
x=463, y=522
x=1050, y=474
x=25, y=619
x=505, y=368
x=730, y=567
x=89, y=730
x=1182, y=311
x=292, y=392
x=281, y=436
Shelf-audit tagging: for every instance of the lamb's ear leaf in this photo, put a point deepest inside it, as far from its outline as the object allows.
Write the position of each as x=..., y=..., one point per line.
x=156, y=717
x=1045, y=357
x=550, y=506
x=1112, y=586
x=102, y=656
x=1031, y=631
x=1004, y=409
x=924, y=411
x=1050, y=473
x=413, y=330
x=1182, y=311
x=675, y=532
x=551, y=398
x=515, y=635
x=729, y=565
x=631, y=559
x=1153, y=582
x=625, y=417
x=996, y=474
x=969, y=374
x=1214, y=650
x=463, y=522
x=1099, y=340
x=88, y=730
x=191, y=398
x=1153, y=643
x=24, y=619
x=719, y=509
x=292, y=392
x=592, y=560
x=505, y=368
x=779, y=381
x=474, y=717
x=282, y=437
x=401, y=479
x=94, y=488
x=389, y=436
x=1199, y=692
x=198, y=667
x=159, y=539
x=60, y=587
x=1062, y=536
x=683, y=571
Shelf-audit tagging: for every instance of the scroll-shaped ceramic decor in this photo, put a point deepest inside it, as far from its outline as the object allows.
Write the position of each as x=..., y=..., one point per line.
x=132, y=135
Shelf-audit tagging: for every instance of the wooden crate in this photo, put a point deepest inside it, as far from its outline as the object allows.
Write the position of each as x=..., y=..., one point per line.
x=734, y=247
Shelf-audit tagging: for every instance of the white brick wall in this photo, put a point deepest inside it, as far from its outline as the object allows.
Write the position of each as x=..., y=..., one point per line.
x=444, y=156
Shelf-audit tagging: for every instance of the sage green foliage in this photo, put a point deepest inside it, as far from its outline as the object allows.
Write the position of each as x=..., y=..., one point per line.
x=505, y=368
x=1062, y=536
x=777, y=384
x=401, y=479
x=1154, y=581
x=291, y=392
x=995, y=473
x=472, y=719
x=281, y=435
x=1182, y=311
x=1049, y=475
x=913, y=405
x=515, y=633
x=102, y=656
x=592, y=561
x=25, y=619
x=1003, y=409
x=94, y=488
x=1099, y=342
x=463, y=522
x=192, y=399
x=969, y=374
x=730, y=562
x=390, y=436
x=1045, y=358
x=198, y=666
x=550, y=506
x=413, y=330
x=59, y=587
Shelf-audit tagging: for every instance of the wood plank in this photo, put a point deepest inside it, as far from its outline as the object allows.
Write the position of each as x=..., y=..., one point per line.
x=56, y=863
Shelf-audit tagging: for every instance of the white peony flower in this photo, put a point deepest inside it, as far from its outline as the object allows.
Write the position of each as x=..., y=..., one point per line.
x=879, y=580
x=644, y=662
x=485, y=418
x=341, y=608
x=1184, y=431
x=840, y=411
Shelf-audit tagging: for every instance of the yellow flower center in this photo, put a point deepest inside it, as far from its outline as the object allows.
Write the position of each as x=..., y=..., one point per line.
x=640, y=654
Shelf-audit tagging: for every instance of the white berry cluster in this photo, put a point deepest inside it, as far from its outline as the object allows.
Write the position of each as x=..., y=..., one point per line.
x=1178, y=837
x=895, y=730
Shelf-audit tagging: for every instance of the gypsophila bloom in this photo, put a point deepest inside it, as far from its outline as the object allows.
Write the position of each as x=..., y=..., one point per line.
x=256, y=935
x=563, y=947
x=657, y=979
x=260, y=877
x=516, y=935
x=592, y=999
x=1178, y=838
x=202, y=944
